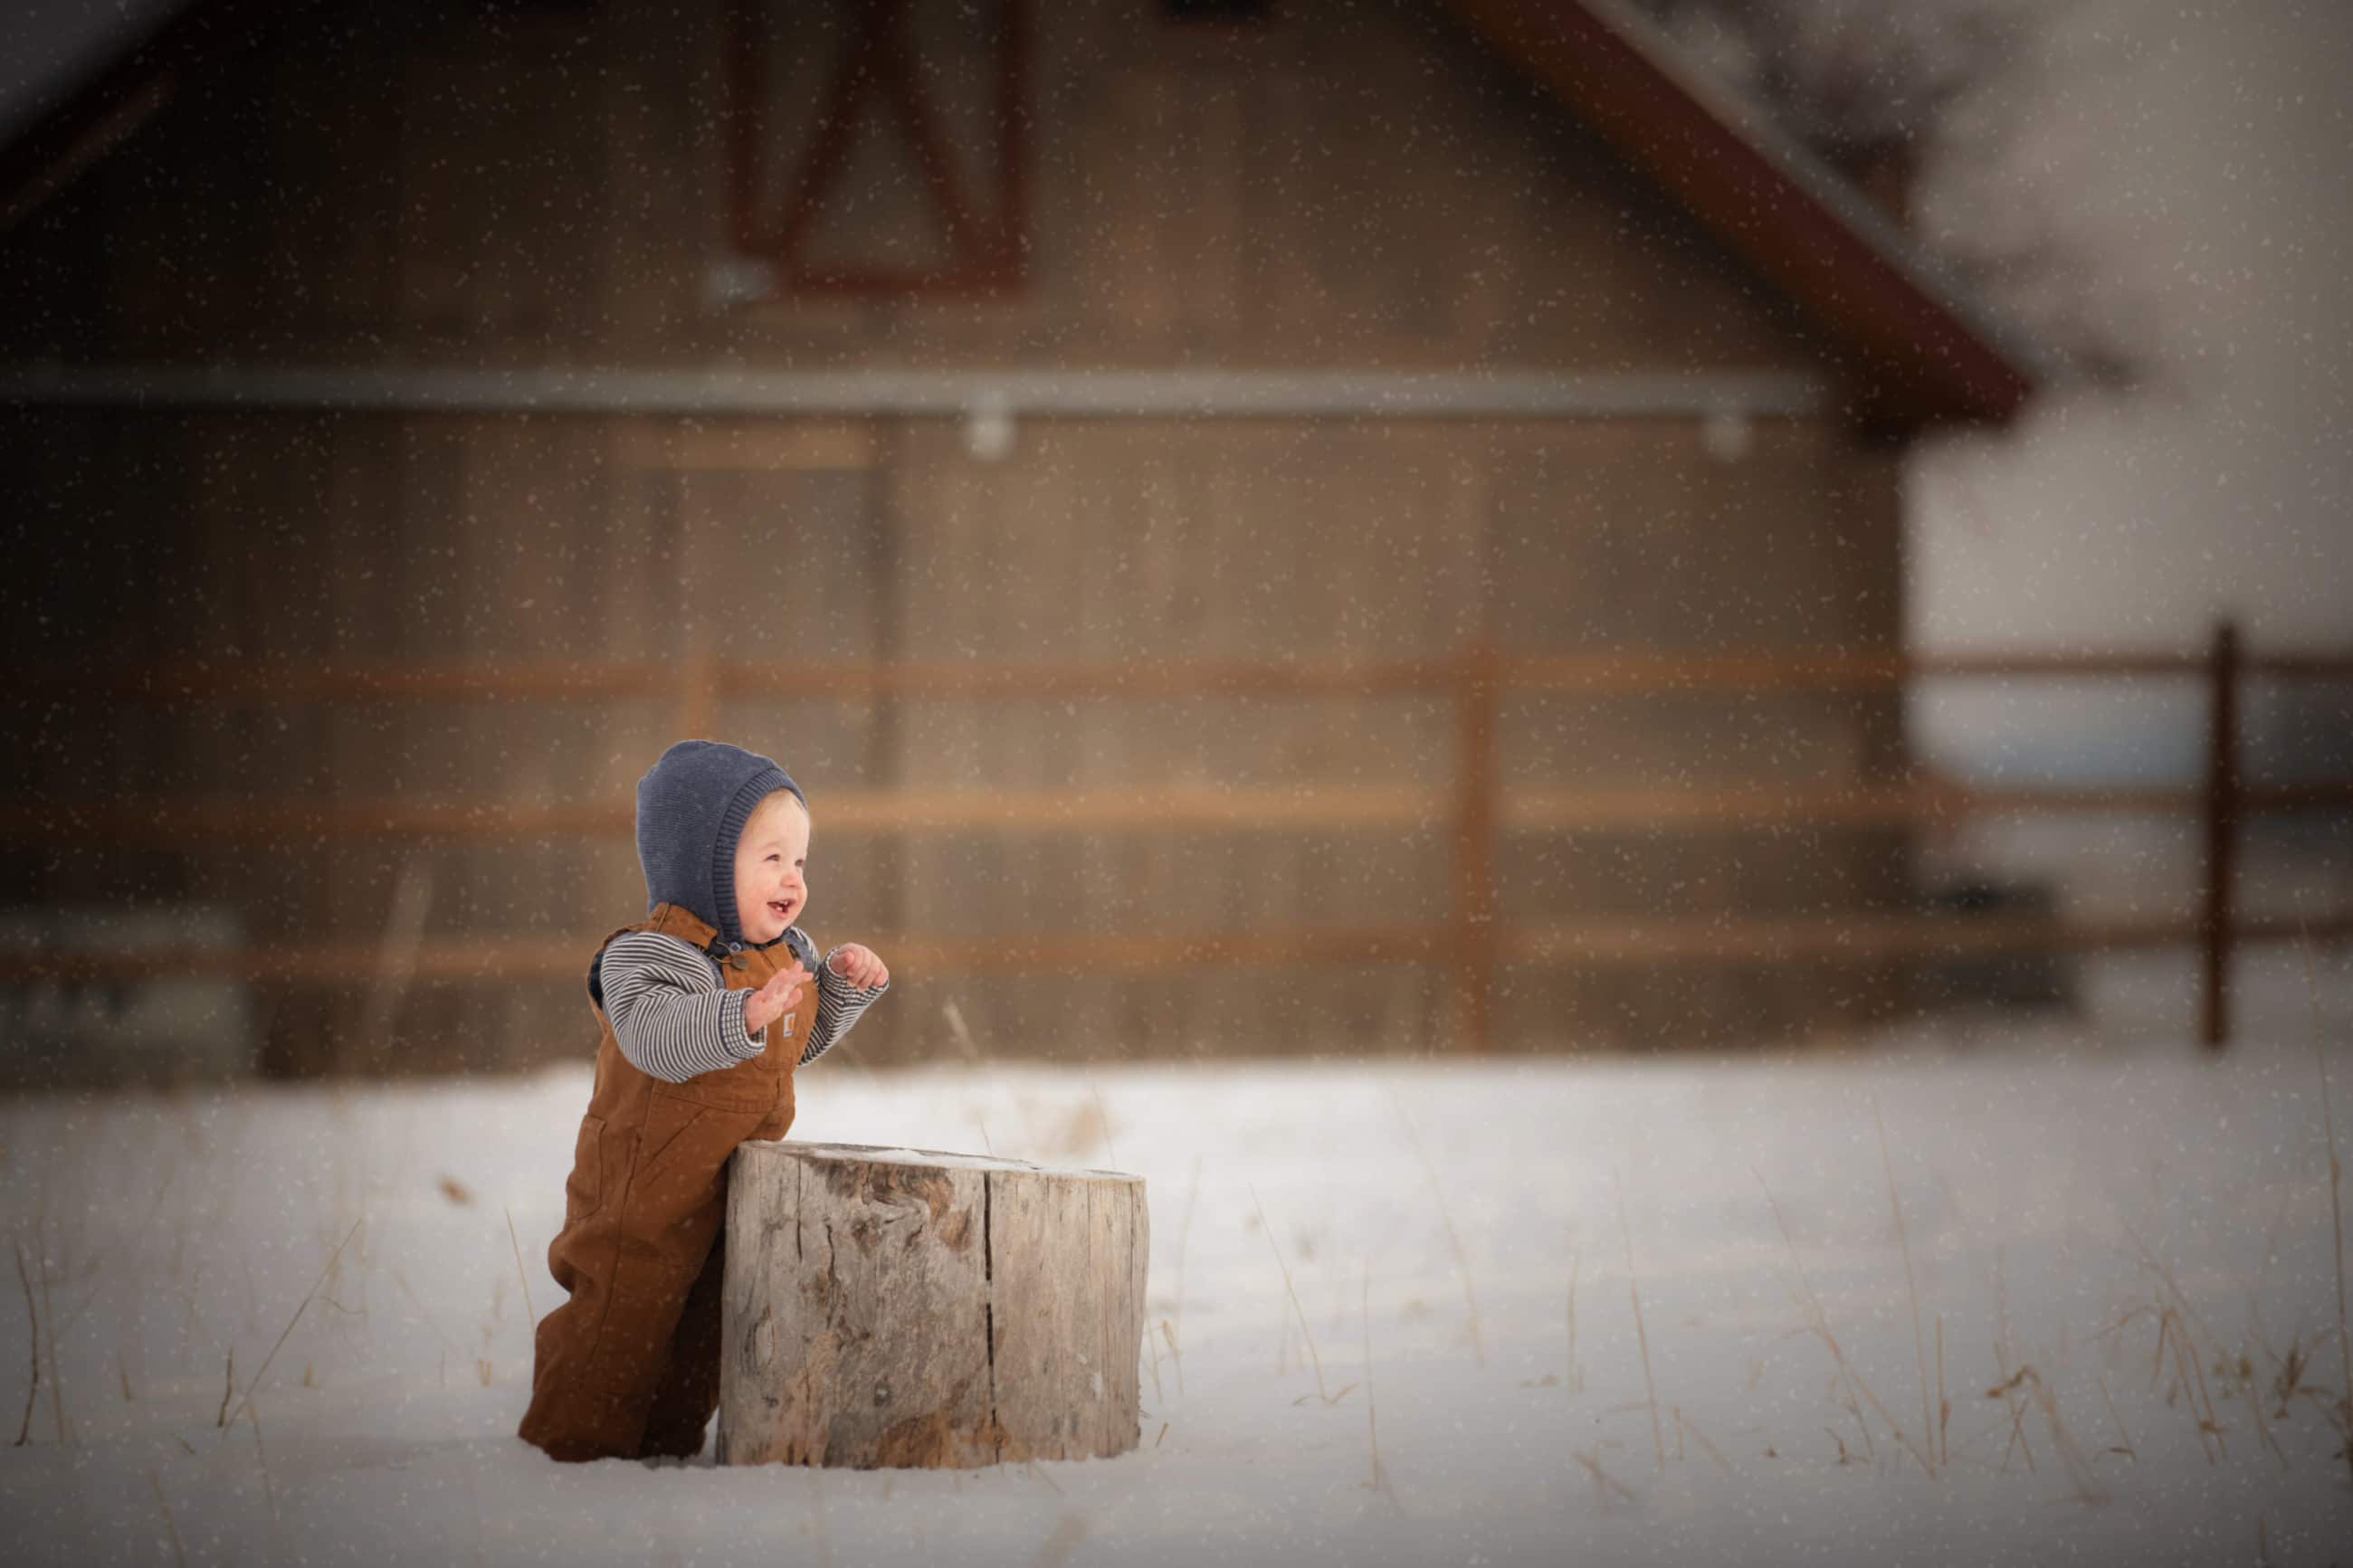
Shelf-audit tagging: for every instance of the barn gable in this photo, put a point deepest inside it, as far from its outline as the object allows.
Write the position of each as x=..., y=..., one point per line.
x=1394, y=185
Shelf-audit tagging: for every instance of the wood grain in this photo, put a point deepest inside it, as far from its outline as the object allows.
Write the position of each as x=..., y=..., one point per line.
x=886, y=1310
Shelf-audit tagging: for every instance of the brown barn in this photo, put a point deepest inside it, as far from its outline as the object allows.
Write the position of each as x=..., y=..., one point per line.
x=1199, y=490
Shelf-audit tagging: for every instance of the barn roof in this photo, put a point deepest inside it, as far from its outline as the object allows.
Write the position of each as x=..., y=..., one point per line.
x=1930, y=349
x=1924, y=348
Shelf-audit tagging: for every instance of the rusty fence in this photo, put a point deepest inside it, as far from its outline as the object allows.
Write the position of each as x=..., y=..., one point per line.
x=1470, y=939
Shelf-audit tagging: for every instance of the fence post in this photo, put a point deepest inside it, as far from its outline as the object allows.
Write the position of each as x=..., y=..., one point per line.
x=2221, y=821
x=698, y=695
x=1474, y=848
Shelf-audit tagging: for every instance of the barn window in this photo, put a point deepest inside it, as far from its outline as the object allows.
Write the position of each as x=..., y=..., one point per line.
x=1230, y=12
x=877, y=148
x=580, y=8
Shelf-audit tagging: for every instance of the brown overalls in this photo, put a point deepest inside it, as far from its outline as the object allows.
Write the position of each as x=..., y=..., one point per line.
x=629, y=1366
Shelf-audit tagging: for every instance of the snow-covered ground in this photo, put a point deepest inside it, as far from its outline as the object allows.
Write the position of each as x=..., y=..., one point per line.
x=2131, y=1240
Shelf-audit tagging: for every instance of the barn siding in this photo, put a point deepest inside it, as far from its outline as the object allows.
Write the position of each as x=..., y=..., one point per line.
x=1360, y=187
x=1355, y=186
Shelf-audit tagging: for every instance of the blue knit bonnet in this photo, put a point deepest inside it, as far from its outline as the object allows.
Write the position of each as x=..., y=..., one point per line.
x=691, y=808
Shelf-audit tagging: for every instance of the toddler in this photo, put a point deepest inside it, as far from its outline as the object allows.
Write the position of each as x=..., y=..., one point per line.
x=704, y=1012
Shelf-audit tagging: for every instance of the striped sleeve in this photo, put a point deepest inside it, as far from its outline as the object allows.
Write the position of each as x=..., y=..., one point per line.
x=839, y=1005
x=671, y=1017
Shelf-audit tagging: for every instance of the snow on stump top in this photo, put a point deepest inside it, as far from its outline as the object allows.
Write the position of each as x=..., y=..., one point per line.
x=909, y=1308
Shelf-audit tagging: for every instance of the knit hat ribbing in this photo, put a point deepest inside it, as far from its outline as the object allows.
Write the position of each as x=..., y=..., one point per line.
x=691, y=808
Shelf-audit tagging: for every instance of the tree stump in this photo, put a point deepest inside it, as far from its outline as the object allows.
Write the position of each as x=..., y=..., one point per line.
x=899, y=1307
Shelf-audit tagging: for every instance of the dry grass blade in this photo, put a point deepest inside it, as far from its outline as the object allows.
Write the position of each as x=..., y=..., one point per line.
x=1685, y=1424
x=2079, y=1471
x=1602, y=1479
x=2124, y=1439
x=1184, y=1231
x=269, y=1493
x=2335, y=1200
x=1446, y=1219
x=520, y=1273
x=49, y=1314
x=2175, y=1316
x=33, y=1317
x=968, y=1048
x=1379, y=1481
x=1298, y=1311
x=448, y=1344
x=1943, y=1405
x=1575, y=1380
x=1168, y=1335
x=2288, y=1380
x=1859, y=1392
x=2079, y=1474
x=2250, y=1391
x=1102, y=1119
x=2189, y=1369
x=333, y=1259
x=2006, y=1390
x=65, y=1325
x=1910, y=1286
x=171, y=1530
x=404, y=934
x=1028, y=1457
x=1641, y=1336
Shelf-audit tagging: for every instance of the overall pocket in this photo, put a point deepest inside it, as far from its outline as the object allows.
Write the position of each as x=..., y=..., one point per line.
x=748, y=1086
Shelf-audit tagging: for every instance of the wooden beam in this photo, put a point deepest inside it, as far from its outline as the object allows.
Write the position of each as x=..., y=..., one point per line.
x=189, y=40
x=1615, y=941
x=492, y=681
x=1598, y=942
x=919, y=678
x=2222, y=822
x=744, y=444
x=207, y=680
x=880, y=64
x=1645, y=670
x=1474, y=849
x=1399, y=806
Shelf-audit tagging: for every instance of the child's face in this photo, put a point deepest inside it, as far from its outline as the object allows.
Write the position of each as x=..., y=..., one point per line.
x=772, y=869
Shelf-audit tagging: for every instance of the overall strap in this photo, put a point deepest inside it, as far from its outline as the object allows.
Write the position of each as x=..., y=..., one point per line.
x=597, y=962
x=671, y=920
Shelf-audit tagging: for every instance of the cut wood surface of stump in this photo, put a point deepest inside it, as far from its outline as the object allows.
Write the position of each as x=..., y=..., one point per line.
x=908, y=1307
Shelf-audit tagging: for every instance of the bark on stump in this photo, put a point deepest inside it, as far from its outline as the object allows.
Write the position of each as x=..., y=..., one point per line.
x=906, y=1307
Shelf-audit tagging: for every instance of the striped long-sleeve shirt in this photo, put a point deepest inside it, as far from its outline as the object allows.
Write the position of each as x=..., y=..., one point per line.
x=674, y=1018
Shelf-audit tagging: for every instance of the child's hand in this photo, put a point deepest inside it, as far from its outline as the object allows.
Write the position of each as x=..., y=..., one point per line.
x=859, y=965
x=768, y=1002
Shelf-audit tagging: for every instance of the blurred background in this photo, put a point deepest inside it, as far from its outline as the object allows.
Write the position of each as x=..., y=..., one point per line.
x=1263, y=527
